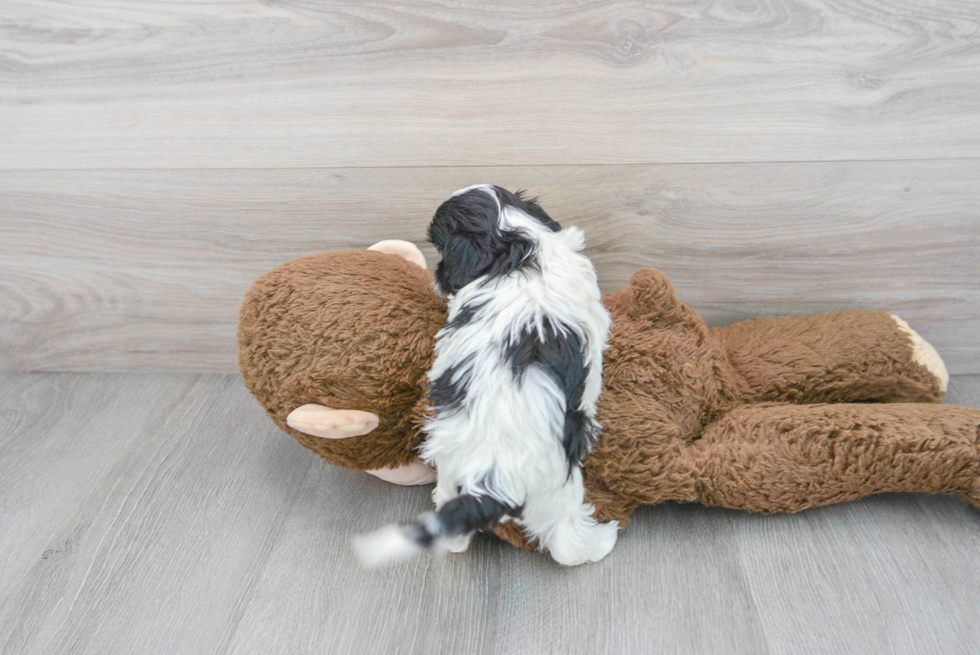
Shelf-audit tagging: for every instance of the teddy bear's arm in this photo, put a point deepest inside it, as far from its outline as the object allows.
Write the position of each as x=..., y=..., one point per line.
x=785, y=458
x=650, y=297
x=848, y=356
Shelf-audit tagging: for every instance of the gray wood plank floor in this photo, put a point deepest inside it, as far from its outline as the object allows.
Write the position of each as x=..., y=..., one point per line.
x=164, y=513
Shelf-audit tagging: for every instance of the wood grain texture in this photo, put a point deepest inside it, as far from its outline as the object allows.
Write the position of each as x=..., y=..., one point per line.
x=55, y=450
x=129, y=270
x=901, y=595
x=137, y=84
x=672, y=576
x=144, y=512
x=166, y=514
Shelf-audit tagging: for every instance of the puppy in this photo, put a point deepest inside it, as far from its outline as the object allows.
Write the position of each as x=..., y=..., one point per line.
x=514, y=384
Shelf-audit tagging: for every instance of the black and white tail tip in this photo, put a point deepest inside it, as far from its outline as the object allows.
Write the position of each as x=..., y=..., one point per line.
x=433, y=531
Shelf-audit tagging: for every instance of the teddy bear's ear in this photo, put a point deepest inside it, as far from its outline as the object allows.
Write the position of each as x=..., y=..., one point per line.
x=405, y=249
x=327, y=423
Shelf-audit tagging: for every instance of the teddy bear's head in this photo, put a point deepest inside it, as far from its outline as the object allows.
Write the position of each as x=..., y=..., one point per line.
x=353, y=331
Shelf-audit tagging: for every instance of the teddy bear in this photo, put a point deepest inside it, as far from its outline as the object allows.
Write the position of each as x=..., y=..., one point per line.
x=768, y=415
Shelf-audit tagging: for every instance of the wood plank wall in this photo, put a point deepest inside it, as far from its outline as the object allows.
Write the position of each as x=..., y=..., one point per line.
x=769, y=156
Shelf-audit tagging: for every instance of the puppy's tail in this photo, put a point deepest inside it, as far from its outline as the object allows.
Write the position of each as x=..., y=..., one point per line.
x=433, y=530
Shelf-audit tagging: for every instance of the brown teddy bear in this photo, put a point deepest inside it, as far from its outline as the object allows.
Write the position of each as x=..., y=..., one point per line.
x=771, y=415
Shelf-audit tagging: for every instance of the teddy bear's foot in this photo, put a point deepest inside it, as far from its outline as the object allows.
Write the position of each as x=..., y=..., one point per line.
x=924, y=354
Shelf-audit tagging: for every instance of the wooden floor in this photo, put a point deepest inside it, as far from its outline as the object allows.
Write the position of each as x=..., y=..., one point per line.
x=164, y=513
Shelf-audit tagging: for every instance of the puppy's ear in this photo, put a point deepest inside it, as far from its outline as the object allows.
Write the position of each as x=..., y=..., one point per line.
x=466, y=232
x=465, y=257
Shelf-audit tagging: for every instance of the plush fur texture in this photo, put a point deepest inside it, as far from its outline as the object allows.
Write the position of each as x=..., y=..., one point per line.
x=774, y=415
x=351, y=332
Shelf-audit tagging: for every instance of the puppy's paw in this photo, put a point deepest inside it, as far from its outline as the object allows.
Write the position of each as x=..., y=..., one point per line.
x=458, y=544
x=586, y=542
x=606, y=535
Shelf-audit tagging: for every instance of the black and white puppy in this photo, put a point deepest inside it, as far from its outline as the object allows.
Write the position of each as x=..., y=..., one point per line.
x=514, y=384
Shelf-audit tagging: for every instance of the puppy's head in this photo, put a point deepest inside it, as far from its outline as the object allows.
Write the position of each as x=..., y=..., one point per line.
x=485, y=230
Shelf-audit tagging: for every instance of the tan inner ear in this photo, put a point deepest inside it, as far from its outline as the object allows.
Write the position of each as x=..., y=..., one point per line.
x=405, y=249
x=327, y=423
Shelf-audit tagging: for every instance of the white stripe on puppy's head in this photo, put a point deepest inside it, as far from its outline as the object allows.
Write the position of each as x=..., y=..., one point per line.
x=473, y=235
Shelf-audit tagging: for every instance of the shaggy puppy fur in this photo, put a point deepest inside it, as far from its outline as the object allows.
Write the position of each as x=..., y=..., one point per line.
x=514, y=384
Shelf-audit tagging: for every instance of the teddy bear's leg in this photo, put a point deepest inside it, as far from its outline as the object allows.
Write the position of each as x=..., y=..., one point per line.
x=973, y=495
x=849, y=356
x=784, y=458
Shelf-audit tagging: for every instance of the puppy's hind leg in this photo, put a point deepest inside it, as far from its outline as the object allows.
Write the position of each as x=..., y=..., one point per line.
x=580, y=539
x=442, y=494
x=565, y=526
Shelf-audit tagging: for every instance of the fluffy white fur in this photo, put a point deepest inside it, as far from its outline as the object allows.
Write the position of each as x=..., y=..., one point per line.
x=387, y=545
x=391, y=544
x=506, y=441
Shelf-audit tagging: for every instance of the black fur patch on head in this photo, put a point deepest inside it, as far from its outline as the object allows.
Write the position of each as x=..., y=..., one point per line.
x=448, y=391
x=529, y=206
x=466, y=232
x=562, y=356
